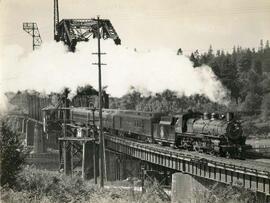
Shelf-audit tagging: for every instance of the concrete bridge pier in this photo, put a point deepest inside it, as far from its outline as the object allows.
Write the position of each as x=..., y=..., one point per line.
x=39, y=140
x=187, y=189
x=18, y=125
x=67, y=158
x=29, y=133
x=23, y=125
x=89, y=160
x=14, y=124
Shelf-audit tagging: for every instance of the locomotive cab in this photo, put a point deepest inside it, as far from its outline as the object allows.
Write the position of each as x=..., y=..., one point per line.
x=164, y=131
x=185, y=121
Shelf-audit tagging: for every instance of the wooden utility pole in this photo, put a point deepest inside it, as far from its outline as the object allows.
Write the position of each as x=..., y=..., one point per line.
x=94, y=146
x=101, y=137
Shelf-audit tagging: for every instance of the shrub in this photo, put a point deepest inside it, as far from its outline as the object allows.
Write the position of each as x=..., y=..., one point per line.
x=11, y=155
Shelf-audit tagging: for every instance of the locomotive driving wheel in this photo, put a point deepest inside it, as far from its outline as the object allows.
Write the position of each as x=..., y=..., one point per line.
x=227, y=155
x=196, y=147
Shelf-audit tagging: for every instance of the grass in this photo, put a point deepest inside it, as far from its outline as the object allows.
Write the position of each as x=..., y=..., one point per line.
x=41, y=186
x=34, y=186
x=228, y=194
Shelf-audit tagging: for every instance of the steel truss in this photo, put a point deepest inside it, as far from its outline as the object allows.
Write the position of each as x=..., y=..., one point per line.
x=32, y=29
x=71, y=31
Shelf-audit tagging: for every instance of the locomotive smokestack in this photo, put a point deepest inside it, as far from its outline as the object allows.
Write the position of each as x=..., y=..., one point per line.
x=213, y=116
x=229, y=116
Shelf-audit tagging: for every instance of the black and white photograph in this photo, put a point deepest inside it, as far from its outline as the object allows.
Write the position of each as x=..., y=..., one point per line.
x=121, y=101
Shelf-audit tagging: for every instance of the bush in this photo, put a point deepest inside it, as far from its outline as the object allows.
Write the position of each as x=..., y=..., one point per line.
x=11, y=155
x=34, y=185
x=226, y=194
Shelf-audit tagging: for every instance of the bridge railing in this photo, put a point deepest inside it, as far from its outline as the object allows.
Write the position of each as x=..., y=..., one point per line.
x=192, y=158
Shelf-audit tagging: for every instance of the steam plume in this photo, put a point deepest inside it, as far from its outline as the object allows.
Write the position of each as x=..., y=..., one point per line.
x=51, y=68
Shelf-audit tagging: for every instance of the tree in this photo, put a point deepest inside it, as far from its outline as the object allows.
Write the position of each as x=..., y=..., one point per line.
x=261, y=45
x=267, y=45
x=195, y=58
x=265, y=107
x=245, y=61
x=131, y=99
x=257, y=66
x=11, y=156
x=210, y=54
x=252, y=102
x=179, y=51
x=265, y=83
x=86, y=90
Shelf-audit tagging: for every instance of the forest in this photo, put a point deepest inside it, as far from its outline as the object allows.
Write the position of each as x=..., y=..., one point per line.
x=244, y=72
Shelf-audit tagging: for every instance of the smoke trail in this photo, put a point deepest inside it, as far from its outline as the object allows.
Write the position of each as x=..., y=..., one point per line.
x=52, y=67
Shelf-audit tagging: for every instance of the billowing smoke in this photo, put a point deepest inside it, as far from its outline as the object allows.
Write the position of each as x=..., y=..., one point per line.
x=51, y=67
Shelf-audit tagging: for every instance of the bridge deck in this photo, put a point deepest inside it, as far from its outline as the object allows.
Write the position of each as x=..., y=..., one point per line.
x=253, y=175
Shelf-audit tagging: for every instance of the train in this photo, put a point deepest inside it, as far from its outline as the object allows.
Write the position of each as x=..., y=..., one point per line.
x=219, y=135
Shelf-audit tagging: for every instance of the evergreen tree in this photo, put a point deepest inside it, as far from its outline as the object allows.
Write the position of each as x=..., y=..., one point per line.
x=267, y=45
x=261, y=45
x=195, y=58
x=11, y=155
x=179, y=51
x=252, y=102
x=265, y=107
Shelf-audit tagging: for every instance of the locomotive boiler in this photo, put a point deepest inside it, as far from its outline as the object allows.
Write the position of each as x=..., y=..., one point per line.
x=220, y=135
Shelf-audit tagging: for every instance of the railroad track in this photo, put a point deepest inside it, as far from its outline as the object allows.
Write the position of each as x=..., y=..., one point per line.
x=249, y=165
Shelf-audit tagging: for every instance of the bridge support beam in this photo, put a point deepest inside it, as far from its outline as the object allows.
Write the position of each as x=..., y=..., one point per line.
x=67, y=158
x=120, y=167
x=89, y=161
x=78, y=156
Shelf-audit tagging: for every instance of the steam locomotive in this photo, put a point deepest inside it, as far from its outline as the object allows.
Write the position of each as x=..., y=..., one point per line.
x=213, y=134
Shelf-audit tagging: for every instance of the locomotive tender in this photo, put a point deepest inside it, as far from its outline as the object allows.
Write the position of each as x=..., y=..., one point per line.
x=222, y=136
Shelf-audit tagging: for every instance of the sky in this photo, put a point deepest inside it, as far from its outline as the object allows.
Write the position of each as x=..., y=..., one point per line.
x=152, y=24
x=156, y=28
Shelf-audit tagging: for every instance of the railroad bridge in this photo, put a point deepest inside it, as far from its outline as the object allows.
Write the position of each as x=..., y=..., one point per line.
x=80, y=152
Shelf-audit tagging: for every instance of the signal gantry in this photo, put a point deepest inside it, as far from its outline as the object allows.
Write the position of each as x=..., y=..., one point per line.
x=71, y=31
x=32, y=29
